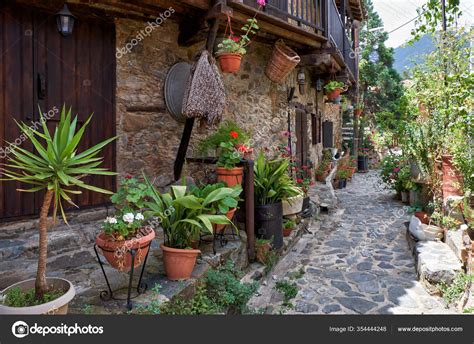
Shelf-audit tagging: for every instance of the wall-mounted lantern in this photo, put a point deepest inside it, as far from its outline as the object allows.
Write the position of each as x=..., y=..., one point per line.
x=319, y=85
x=301, y=80
x=65, y=21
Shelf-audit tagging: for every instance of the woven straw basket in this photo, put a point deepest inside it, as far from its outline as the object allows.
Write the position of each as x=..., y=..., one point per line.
x=281, y=63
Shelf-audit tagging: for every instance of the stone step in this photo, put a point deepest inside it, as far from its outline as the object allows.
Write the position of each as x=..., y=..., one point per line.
x=436, y=262
x=454, y=240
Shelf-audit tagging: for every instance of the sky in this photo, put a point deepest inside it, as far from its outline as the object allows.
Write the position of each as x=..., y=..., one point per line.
x=395, y=13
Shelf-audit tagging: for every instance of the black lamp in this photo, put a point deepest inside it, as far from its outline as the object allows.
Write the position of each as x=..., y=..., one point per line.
x=65, y=21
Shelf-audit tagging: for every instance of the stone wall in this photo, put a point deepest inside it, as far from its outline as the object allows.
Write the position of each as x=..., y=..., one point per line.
x=149, y=136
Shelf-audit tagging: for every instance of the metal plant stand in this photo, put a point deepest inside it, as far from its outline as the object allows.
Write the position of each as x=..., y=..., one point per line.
x=220, y=237
x=141, y=287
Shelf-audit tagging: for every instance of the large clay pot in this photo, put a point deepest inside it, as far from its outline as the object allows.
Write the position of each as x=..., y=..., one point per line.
x=116, y=252
x=230, y=63
x=293, y=205
x=57, y=306
x=269, y=223
x=230, y=214
x=231, y=176
x=179, y=263
x=452, y=179
x=332, y=96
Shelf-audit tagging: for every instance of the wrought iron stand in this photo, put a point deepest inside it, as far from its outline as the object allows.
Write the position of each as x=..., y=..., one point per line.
x=107, y=295
x=220, y=237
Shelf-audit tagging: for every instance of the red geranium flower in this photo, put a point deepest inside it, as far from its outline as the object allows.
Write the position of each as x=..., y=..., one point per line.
x=234, y=134
x=235, y=39
x=128, y=176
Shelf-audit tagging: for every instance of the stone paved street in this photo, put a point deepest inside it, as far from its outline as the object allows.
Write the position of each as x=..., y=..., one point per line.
x=355, y=261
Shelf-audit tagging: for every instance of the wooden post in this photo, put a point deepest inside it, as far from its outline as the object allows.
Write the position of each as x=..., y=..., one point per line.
x=249, y=209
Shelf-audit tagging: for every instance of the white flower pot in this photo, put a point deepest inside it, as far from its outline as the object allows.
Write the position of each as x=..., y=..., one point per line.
x=293, y=205
x=57, y=306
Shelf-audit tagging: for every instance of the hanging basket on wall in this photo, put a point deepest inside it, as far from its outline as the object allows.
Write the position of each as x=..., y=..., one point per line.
x=282, y=62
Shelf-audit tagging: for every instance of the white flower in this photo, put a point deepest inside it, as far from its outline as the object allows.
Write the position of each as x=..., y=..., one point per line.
x=139, y=217
x=111, y=220
x=463, y=227
x=128, y=217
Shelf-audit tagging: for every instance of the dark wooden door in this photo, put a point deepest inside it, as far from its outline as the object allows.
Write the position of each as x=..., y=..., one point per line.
x=328, y=135
x=301, y=131
x=78, y=71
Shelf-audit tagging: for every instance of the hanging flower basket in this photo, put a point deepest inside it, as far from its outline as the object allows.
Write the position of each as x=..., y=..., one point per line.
x=282, y=62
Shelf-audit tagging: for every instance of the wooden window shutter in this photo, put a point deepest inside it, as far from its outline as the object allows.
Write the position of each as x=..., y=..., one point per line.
x=328, y=134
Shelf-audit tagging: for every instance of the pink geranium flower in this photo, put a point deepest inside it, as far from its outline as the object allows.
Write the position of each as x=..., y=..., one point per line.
x=261, y=2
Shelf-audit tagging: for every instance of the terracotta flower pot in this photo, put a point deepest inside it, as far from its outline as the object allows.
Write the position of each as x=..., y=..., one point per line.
x=422, y=216
x=230, y=63
x=231, y=177
x=179, y=263
x=451, y=178
x=57, y=306
x=358, y=112
x=261, y=252
x=116, y=252
x=230, y=214
x=332, y=96
x=287, y=231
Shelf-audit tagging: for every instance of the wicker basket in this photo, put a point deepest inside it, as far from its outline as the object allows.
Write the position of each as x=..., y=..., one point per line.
x=282, y=62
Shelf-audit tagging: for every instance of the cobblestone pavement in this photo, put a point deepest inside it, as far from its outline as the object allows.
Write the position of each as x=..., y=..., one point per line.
x=355, y=261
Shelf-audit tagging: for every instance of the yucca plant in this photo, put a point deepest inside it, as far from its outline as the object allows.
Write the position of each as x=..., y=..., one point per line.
x=56, y=168
x=271, y=180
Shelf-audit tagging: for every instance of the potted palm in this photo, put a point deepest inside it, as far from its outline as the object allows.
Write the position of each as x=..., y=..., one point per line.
x=272, y=184
x=57, y=169
x=232, y=48
x=230, y=145
x=183, y=217
x=333, y=90
x=126, y=230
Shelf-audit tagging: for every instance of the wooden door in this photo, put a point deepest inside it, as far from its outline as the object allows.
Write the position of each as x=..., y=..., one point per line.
x=78, y=71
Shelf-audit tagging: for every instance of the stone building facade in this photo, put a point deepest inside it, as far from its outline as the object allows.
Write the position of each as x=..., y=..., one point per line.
x=149, y=137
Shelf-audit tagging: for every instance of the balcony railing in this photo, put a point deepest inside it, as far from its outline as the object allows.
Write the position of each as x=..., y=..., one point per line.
x=321, y=16
x=339, y=38
x=300, y=12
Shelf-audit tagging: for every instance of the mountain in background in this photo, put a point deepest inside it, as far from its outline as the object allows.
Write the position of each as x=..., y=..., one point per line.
x=405, y=54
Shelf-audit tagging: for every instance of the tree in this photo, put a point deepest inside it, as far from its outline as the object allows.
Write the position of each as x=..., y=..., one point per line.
x=380, y=83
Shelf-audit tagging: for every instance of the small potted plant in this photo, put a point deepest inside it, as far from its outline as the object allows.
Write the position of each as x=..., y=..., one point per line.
x=230, y=144
x=272, y=184
x=358, y=108
x=262, y=249
x=341, y=176
x=333, y=90
x=417, y=210
x=58, y=169
x=183, y=217
x=126, y=230
x=225, y=206
x=288, y=227
x=232, y=48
